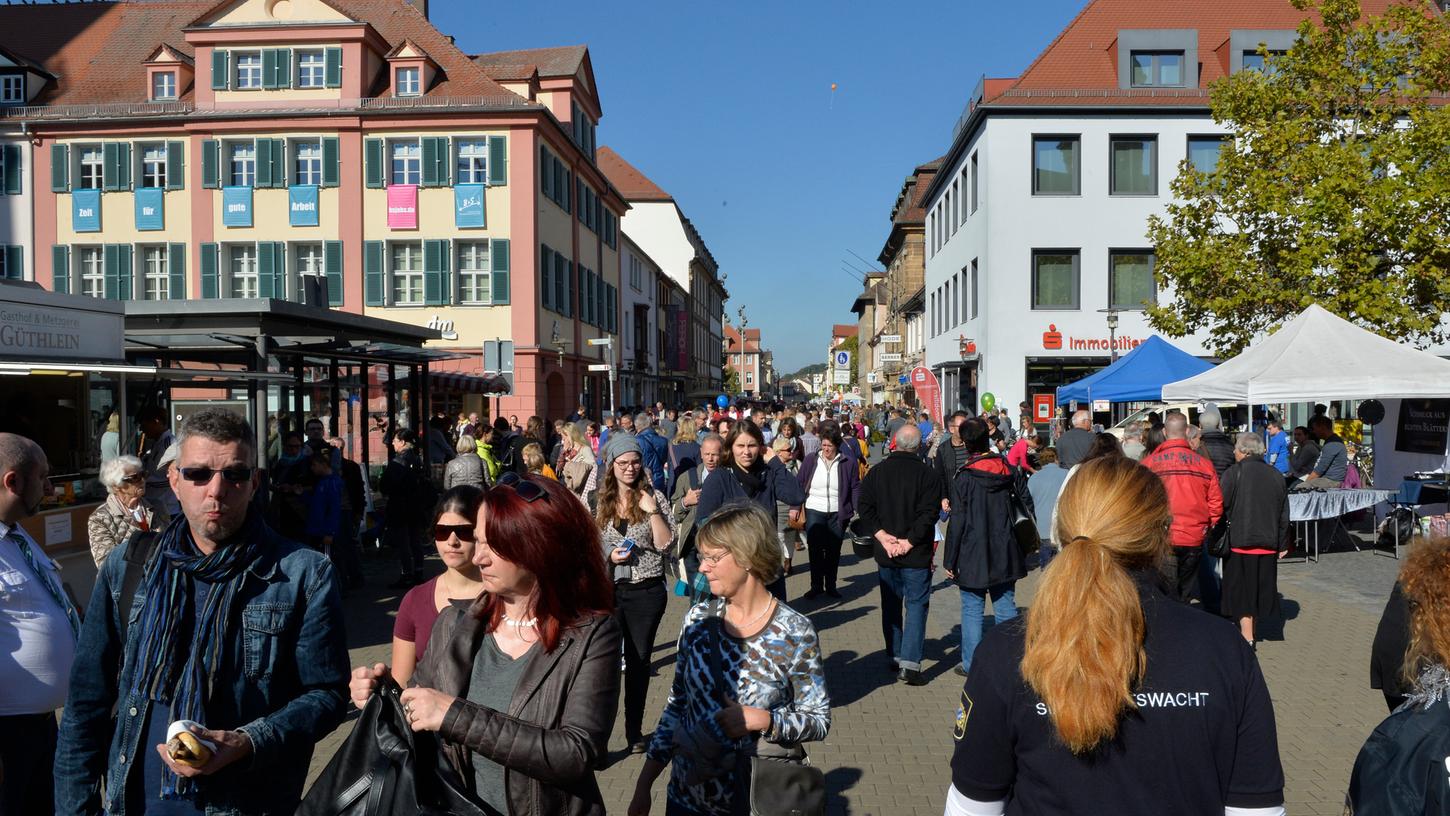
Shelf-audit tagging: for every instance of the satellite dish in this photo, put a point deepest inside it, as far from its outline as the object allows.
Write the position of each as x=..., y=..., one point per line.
x=1371, y=412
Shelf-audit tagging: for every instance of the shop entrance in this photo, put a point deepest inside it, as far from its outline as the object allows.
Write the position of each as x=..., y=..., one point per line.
x=1044, y=375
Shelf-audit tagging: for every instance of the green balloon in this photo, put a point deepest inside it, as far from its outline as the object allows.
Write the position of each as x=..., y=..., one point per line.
x=989, y=401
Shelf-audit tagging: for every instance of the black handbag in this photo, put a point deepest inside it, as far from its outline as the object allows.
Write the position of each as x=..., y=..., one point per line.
x=384, y=768
x=1024, y=524
x=782, y=782
x=1218, y=540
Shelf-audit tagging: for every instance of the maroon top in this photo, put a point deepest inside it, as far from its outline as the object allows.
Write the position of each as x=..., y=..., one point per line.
x=416, y=615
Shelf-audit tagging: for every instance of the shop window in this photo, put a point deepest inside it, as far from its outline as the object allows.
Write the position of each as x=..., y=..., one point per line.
x=407, y=81
x=1056, y=165
x=91, y=263
x=1203, y=152
x=153, y=165
x=1134, y=165
x=12, y=89
x=243, y=268
x=1157, y=69
x=89, y=173
x=407, y=165
x=243, y=160
x=472, y=161
x=473, y=273
x=311, y=69
x=407, y=273
x=1055, y=279
x=248, y=71
x=307, y=163
x=1130, y=279
x=163, y=85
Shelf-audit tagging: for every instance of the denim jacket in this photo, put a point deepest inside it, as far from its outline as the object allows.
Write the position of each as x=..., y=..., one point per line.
x=283, y=682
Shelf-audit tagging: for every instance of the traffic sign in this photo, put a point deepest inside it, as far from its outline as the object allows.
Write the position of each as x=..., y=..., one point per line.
x=841, y=377
x=601, y=367
x=842, y=359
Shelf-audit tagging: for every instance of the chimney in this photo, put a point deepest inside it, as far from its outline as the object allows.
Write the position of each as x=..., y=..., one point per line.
x=420, y=5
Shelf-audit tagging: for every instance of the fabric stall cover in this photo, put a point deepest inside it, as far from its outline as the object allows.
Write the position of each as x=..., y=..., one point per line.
x=1137, y=376
x=1318, y=357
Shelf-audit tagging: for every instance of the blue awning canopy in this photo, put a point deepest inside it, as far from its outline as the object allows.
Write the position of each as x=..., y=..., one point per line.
x=1138, y=376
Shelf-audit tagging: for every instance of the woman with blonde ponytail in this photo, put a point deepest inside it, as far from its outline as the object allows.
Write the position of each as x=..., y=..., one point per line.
x=1108, y=696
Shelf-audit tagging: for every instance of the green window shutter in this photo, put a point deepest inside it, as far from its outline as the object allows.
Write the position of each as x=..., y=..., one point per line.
x=373, y=162
x=15, y=262
x=546, y=269
x=210, y=161
x=59, y=168
x=123, y=272
x=276, y=161
x=108, y=166
x=175, y=165
x=60, y=269
x=331, y=169
x=123, y=166
x=332, y=268
x=210, y=277
x=220, y=70
x=499, y=256
x=435, y=273
x=373, y=273
x=176, y=270
x=267, y=277
x=546, y=173
x=264, y=162
x=110, y=267
x=575, y=303
x=12, y=169
x=498, y=163
x=269, y=68
x=610, y=321
x=284, y=68
x=561, y=285
x=332, y=68
x=430, y=162
x=447, y=160
x=579, y=204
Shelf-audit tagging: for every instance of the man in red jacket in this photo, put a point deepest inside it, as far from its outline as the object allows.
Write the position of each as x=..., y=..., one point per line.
x=1193, y=497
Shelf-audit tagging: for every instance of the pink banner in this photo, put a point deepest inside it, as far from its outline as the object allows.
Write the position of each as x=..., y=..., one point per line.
x=928, y=391
x=403, y=206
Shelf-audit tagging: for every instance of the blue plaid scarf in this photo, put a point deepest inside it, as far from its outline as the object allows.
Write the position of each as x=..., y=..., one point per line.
x=170, y=670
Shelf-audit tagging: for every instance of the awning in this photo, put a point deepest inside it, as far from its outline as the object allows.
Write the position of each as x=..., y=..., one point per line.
x=468, y=383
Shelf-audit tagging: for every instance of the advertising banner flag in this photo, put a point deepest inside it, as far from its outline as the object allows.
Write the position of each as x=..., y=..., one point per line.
x=928, y=390
x=236, y=206
x=682, y=339
x=403, y=206
x=85, y=213
x=150, y=209
x=302, y=205
x=468, y=206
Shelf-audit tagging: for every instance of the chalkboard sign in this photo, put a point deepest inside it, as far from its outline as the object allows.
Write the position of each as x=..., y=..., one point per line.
x=1423, y=426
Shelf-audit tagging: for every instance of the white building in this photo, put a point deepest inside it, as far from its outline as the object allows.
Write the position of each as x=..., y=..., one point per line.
x=639, y=333
x=1036, y=225
x=20, y=80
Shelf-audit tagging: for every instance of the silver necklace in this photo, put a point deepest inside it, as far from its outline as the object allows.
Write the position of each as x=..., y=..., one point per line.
x=520, y=623
x=769, y=606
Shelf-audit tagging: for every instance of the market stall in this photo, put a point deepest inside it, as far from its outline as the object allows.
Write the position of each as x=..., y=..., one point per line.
x=1137, y=376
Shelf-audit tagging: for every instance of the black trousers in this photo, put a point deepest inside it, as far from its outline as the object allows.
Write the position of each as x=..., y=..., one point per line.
x=406, y=537
x=1181, y=570
x=27, y=763
x=823, y=545
x=638, y=608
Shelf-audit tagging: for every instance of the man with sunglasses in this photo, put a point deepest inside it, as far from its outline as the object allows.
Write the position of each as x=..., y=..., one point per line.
x=231, y=627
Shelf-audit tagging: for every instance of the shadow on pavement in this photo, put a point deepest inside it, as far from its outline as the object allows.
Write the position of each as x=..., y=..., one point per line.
x=838, y=781
x=1273, y=628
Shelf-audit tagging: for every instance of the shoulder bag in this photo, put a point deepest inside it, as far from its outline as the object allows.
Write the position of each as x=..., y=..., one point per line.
x=782, y=780
x=1218, y=536
x=1024, y=526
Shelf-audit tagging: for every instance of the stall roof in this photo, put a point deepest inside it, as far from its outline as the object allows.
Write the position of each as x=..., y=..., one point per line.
x=1137, y=376
x=1319, y=356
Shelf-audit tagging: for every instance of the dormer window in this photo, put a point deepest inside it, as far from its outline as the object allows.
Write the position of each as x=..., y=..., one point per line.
x=249, y=71
x=163, y=85
x=1254, y=61
x=1157, y=69
x=311, y=69
x=12, y=89
x=408, y=81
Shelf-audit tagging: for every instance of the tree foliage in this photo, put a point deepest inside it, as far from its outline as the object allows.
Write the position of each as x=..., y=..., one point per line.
x=1335, y=189
x=730, y=381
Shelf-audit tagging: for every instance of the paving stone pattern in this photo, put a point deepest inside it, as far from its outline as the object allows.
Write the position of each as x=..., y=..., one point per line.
x=889, y=745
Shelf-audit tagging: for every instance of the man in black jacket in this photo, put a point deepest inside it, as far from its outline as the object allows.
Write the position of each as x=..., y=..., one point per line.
x=899, y=508
x=1216, y=445
x=951, y=454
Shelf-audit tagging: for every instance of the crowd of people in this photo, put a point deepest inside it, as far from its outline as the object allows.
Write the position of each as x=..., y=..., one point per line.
x=218, y=607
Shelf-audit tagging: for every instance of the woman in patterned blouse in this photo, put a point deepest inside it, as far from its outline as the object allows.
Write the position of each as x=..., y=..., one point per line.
x=636, y=533
x=748, y=668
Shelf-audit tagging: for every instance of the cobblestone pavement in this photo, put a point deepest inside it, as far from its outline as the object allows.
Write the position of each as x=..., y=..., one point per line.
x=889, y=744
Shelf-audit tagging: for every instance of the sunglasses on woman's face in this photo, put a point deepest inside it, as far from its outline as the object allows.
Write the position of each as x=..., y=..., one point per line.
x=527, y=490
x=135, y=478
x=442, y=532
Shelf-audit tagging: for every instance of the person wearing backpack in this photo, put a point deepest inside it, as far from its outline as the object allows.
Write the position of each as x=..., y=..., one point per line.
x=404, y=484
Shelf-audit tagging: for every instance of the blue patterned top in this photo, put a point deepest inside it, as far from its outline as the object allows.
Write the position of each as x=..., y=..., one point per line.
x=778, y=669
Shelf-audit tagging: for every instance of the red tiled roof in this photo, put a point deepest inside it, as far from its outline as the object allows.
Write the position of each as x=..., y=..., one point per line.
x=550, y=62
x=843, y=330
x=631, y=183
x=1079, y=67
x=97, y=49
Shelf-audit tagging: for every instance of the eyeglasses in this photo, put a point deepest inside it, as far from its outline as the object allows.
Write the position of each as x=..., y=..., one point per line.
x=134, y=478
x=203, y=475
x=528, y=491
x=442, y=532
x=712, y=560
x=630, y=465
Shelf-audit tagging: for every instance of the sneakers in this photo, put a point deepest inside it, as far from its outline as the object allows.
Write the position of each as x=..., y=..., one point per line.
x=912, y=677
x=959, y=671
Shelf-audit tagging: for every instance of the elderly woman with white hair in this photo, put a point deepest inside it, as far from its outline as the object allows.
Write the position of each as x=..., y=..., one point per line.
x=126, y=508
x=1256, y=507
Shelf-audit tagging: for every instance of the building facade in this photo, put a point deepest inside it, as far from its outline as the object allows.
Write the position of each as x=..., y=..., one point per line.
x=903, y=258
x=744, y=354
x=341, y=152
x=640, y=359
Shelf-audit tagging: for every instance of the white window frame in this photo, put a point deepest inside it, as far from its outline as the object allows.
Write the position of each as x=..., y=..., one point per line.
x=247, y=77
x=307, y=162
x=163, y=86
x=12, y=89
x=408, y=80
x=308, y=260
x=243, y=279
x=311, y=68
x=472, y=161
x=405, y=286
x=409, y=151
x=91, y=163
x=153, y=164
x=242, y=156
x=475, y=284
x=91, y=271
x=155, y=276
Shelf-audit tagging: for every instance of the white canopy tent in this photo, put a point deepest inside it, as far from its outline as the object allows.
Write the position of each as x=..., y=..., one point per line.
x=1319, y=357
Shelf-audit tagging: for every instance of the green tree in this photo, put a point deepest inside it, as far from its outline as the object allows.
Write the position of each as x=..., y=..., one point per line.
x=1335, y=189
x=731, y=381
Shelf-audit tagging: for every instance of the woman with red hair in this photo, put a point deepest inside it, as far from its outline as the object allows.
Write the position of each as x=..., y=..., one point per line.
x=523, y=696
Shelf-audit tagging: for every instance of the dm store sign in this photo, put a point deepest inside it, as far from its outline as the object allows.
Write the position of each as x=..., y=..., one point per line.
x=302, y=205
x=85, y=213
x=237, y=206
x=150, y=209
x=403, y=206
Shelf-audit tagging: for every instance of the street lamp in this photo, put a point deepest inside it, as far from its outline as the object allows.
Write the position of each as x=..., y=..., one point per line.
x=558, y=343
x=1112, y=333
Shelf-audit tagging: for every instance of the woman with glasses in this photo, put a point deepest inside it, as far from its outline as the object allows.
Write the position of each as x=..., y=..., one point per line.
x=126, y=508
x=522, y=686
x=636, y=532
x=459, y=584
x=748, y=675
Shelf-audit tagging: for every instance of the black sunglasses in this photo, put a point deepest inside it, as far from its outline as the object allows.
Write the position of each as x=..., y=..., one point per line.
x=441, y=532
x=527, y=490
x=203, y=475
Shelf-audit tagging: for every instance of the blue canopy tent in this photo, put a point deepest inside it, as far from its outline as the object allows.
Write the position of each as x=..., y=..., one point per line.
x=1138, y=376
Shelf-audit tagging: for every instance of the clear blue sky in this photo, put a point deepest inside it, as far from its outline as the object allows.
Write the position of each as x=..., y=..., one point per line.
x=728, y=107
